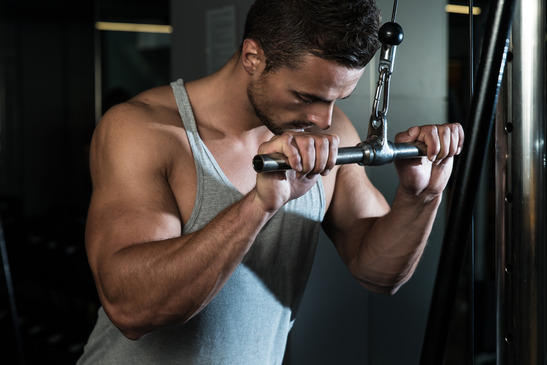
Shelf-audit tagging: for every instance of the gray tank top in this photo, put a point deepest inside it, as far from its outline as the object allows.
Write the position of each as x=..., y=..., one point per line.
x=248, y=321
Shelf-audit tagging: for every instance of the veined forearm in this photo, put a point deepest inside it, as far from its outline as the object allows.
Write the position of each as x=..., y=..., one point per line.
x=393, y=246
x=149, y=285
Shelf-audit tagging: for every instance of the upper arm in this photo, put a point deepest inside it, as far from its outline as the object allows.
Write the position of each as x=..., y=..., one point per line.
x=356, y=203
x=131, y=202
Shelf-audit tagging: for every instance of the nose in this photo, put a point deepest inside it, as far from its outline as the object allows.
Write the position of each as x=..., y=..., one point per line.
x=321, y=115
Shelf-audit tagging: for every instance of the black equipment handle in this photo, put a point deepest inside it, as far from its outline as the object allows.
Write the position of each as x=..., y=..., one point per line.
x=467, y=172
x=365, y=154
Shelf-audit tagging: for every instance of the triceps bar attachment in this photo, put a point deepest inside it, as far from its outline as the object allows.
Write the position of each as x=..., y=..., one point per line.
x=365, y=153
x=376, y=150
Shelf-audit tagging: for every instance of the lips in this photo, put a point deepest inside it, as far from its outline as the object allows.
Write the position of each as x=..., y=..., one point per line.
x=300, y=126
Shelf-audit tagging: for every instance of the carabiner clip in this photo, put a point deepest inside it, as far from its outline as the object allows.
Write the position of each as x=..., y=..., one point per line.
x=382, y=89
x=391, y=35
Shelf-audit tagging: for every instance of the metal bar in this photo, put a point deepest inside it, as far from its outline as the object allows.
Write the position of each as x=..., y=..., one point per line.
x=521, y=265
x=408, y=150
x=364, y=154
x=278, y=162
x=466, y=179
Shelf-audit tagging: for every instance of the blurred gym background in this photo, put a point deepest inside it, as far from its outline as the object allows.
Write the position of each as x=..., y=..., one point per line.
x=63, y=63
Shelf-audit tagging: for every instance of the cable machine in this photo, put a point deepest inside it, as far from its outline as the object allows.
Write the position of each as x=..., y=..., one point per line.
x=520, y=194
x=521, y=164
x=520, y=132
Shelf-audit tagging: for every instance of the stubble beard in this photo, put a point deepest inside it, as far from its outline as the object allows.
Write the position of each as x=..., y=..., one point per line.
x=261, y=114
x=255, y=95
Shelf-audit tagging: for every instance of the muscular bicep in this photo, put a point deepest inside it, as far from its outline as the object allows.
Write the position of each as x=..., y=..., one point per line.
x=131, y=201
x=119, y=218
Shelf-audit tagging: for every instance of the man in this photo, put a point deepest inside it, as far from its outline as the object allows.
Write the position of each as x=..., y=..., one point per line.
x=198, y=259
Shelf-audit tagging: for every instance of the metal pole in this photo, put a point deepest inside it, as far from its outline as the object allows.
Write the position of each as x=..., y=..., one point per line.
x=469, y=165
x=521, y=266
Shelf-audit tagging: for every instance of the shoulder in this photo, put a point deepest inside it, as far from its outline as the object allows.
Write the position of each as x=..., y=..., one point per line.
x=343, y=128
x=151, y=109
x=147, y=128
x=148, y=115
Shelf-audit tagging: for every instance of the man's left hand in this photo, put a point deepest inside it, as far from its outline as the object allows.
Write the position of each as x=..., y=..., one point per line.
x=429, y=175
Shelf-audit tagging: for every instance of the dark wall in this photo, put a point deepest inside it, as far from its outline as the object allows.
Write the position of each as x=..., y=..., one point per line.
x=49, y=81
x=47, y=66
x=47, y=115
x=46, y=121
x=49, y=51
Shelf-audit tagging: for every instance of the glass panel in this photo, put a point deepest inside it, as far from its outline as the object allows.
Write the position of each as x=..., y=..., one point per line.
x=130, y=56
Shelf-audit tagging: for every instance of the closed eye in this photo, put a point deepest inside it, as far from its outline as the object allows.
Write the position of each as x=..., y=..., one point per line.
x=305, y=100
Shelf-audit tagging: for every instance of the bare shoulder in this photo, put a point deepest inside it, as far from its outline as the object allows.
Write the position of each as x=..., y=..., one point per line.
x=146, y=128
x=343, y=128
x=133, y=151
x=146, y=112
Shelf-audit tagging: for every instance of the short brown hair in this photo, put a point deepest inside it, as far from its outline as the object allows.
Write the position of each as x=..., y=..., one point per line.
x=345, y=31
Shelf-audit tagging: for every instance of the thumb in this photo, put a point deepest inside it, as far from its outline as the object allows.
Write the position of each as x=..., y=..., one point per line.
x=408, y=136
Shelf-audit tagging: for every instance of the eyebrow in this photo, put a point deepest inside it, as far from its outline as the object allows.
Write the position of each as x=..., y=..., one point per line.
x=316, y=97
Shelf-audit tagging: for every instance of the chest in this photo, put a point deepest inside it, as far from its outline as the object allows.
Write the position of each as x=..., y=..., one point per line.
x=236, y=164
x=232, y=163
x=234, y=160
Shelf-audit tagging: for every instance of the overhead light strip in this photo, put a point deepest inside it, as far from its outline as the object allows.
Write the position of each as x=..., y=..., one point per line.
x=134, y=27
x=461, y=9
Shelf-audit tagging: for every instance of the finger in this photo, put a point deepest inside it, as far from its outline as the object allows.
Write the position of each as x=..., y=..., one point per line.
x=445, y=140
x=286, y=145
x=455, y=145
x=461, y=137
x=334, y=142
x=318, y=152
x=326, y=151
x=410, y=135
x=322, y=151
x=306, y=148
x=430, y=136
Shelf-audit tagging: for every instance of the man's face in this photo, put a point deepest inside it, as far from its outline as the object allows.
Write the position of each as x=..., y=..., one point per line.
x=298, y=99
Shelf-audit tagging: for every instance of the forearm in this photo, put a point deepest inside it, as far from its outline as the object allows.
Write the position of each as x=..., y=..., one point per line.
x=388, y=254
x=153, y=284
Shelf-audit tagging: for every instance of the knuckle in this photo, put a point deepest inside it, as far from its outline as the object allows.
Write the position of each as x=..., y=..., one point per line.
x=432, y=131
x=332, y=139
x=310, y=143
x=323, y=142
x=435, y=148
x=286, y=137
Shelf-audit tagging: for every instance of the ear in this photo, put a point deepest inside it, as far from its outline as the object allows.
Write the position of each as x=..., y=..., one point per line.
x=252, y=57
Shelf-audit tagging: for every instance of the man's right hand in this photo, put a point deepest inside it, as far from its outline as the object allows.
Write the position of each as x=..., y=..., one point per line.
x=310, y=155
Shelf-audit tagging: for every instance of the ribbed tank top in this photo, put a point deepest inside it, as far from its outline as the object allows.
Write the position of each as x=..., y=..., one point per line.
x=248, y=321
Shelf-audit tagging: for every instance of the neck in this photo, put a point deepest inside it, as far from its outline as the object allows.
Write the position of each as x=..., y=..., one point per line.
x=221, y=104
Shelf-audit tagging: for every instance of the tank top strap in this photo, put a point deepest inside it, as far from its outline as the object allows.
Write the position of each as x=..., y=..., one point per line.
x=211, y=180
x=184, y=106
